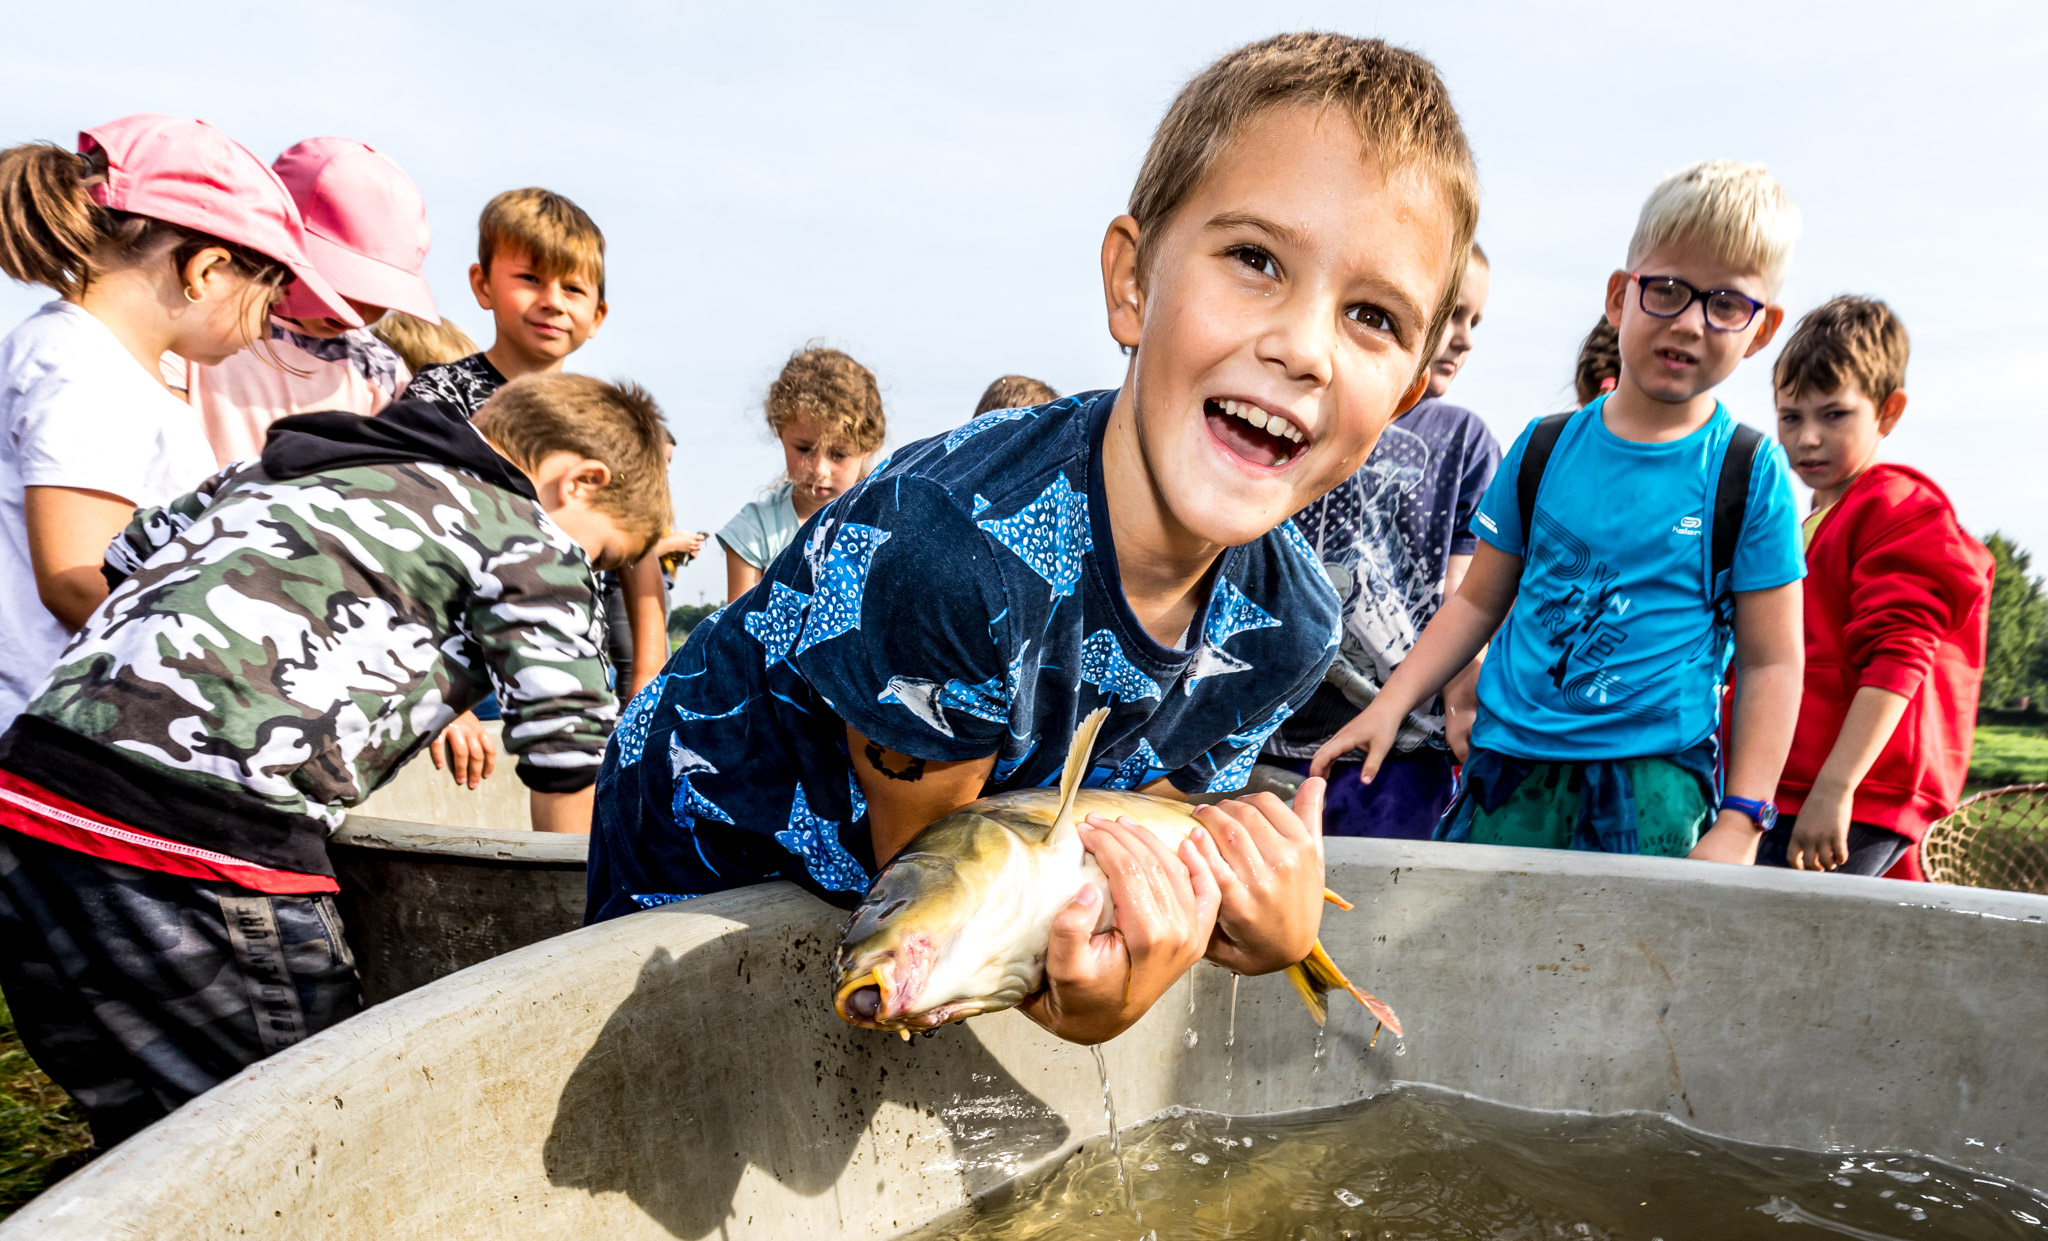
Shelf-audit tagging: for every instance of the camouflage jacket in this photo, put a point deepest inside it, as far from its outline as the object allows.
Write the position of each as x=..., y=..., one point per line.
x=282, y=646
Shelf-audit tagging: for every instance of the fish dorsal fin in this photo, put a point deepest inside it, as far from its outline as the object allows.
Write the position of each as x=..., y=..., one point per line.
x=1064, y=828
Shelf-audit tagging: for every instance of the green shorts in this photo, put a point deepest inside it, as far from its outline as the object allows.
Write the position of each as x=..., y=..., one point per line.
x=1671, y=809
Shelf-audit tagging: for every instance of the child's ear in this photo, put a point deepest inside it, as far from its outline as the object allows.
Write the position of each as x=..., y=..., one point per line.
x=1617, y=292
x=1889, y=413
x=1773, y=316
x=1120, y=288
x=479, y=286
x=597, y=318
x=1410, y=398
x=585, y=479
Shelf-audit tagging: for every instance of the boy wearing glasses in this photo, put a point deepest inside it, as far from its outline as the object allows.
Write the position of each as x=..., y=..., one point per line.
x=1624, y=550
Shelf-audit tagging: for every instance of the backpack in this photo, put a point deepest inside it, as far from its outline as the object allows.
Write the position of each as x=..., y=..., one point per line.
x=1731, y=500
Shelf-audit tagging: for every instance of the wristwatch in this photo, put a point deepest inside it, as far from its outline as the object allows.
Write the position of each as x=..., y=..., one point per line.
x=1762, y=813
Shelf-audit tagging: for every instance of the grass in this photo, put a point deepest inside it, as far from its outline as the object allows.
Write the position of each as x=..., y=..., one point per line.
x=2008, y=754
x=42, y=1133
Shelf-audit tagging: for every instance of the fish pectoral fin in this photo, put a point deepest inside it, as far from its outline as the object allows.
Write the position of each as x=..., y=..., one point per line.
x=1064, y=828
x=1317, y=975
x=1336, y=900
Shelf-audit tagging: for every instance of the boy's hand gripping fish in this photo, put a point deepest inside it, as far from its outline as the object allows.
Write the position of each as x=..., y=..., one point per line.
x=957, y=924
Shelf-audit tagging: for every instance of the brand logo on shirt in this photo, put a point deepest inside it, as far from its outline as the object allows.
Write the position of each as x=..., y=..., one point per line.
x=1486, y=521
x=1687, y=526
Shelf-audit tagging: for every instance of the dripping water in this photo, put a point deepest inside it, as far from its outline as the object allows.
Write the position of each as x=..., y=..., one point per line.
x=1116, y=1144
x=1188, y=1037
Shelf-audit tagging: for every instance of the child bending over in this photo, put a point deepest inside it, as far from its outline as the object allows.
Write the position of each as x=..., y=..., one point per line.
x=1291, y=256
x=280, y=642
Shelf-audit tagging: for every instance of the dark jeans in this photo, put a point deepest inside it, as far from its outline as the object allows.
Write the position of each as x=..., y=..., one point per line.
x=1403, y=802
x=136, y=991
x=1872, y=850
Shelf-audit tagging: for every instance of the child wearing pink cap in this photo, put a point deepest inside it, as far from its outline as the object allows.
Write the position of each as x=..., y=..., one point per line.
x=366, y=230
x=159, y=234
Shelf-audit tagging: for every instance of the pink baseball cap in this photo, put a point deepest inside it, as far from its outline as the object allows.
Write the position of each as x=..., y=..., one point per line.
x=186, y=172
x=366, y=225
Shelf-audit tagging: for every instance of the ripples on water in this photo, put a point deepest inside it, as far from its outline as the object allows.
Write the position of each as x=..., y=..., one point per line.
x=1418, y=1163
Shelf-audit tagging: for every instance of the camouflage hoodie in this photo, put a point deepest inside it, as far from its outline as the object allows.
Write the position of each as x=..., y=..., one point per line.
x=285, y=638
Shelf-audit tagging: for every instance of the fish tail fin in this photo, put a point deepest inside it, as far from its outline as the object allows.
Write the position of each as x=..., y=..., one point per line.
x=1316, y=998
x=1336, y=900
x=1317, y=975
x=1063, y=826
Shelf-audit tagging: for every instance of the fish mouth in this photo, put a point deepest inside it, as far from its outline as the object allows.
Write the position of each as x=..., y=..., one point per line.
x=863, y=999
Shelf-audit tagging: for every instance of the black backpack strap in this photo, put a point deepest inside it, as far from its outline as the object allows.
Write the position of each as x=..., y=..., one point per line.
x=1529, y=479
x=1731, y=505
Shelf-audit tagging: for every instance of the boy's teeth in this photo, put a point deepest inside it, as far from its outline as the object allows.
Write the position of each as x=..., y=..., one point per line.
x=1272, y=424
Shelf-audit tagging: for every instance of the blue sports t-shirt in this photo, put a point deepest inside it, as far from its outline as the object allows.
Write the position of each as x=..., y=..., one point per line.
x=1611, y=649
x=960, y=602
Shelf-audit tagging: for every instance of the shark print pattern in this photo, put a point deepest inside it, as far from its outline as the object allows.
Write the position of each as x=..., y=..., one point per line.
x=953, y=607
x=816, y=841
x=1050, y=534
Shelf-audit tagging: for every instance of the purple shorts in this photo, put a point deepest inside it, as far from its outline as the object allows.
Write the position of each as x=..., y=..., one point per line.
x=1403, y=802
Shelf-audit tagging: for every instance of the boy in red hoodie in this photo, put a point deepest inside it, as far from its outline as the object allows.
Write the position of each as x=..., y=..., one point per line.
x=1897, y=597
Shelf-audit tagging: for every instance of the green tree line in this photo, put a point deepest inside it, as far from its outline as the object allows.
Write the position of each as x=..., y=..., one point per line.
x=2016, y=658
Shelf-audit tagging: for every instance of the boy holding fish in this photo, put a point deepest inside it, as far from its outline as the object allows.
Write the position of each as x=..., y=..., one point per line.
x=1290, y=259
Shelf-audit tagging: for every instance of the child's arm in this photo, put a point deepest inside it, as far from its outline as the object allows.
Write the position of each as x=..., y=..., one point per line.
x=1770, y=662
x=647, y=617
x=1459, y=631
x=1461, y=695
x=906, y=795
x=68, y=532
x=1820, y=839
x=740, y=577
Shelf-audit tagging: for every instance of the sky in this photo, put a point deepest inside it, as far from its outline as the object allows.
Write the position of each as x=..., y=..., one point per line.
x=926, y=186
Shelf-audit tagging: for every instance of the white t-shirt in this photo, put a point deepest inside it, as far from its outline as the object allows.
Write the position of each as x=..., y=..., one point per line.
x=76, y=410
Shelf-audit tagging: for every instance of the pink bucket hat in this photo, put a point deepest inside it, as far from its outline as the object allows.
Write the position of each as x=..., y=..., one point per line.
x=186, y=172
x=366, y=225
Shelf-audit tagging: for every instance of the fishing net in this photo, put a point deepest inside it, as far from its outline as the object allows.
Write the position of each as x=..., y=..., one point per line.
x=1997, y=839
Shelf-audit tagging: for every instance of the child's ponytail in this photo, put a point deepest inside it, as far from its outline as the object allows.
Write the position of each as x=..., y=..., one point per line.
x=53, y=233
x=50, y=228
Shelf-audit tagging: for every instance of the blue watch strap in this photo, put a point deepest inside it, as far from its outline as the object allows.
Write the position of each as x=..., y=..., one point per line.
x=1753, y=808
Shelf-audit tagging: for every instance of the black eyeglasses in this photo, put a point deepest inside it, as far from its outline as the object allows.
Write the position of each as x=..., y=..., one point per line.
x=1668, y=297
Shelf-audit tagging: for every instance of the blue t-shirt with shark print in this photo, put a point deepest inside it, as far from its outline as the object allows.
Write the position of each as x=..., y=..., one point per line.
x=961, y=601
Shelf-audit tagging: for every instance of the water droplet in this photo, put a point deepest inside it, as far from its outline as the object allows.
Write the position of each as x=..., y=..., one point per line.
x=1199, y=1157
x=1349, y=1199
x=1400, y=1046
x=1179, y=1146
x=1148, y=1167
x=1189, y=1038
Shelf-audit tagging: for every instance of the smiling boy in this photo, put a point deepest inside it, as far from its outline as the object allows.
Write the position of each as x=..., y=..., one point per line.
x=1661, y=533
x=1898, y=597
x=1290, y=258
x=539, y=270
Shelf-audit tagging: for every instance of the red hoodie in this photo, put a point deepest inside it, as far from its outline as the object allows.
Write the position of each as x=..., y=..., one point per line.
x=1897, y=596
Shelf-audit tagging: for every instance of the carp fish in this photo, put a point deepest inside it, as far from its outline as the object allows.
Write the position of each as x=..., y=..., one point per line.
x=958, y=923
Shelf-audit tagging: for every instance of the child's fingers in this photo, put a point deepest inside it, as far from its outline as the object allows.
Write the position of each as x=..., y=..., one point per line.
x=1226, y=878
x=1066, y=953
x=1308, y=804
x=1375, y=754
x=1235, y=841
x=437, y=750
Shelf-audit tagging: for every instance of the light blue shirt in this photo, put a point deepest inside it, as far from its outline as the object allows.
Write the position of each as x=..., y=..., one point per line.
x=1611, y=650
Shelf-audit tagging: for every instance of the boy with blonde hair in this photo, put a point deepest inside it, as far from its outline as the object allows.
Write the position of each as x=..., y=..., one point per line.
x=1898, y=598
x=278, y=644
x=1623, y=549
x=539, y=270
x=1291, y=255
